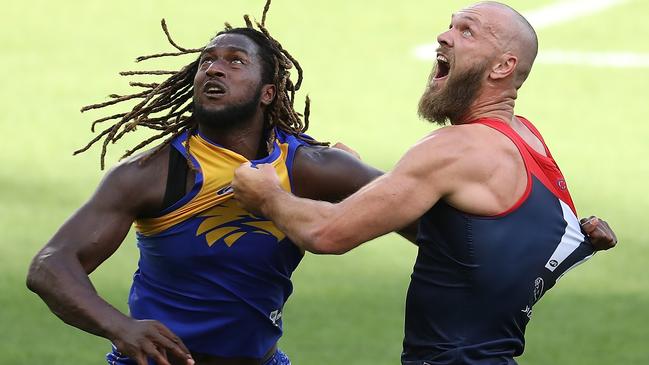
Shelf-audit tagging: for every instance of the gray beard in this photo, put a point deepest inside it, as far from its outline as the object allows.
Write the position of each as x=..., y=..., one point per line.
x=454, y=99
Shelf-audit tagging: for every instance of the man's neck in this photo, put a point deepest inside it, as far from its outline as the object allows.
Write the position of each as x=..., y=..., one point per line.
x=245, y=138
x=494, y=106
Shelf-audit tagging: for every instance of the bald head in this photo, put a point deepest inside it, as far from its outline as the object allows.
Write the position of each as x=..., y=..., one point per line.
x=514, y=34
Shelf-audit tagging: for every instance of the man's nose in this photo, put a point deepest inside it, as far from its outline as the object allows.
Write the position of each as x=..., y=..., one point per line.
x=215, y=69
x=445, y=39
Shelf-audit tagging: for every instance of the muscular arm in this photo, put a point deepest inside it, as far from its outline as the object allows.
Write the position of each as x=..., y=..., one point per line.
x=332, y=174
x=386, y=204
x=59, y=272
x=451, y=163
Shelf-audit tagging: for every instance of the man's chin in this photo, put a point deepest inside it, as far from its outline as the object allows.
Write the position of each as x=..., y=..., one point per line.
x=212, y=110
x=211, y=104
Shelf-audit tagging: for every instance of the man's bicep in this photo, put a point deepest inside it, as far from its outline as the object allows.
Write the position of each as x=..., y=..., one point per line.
x=92, y=234
x=415, y=184
x=408, y=195
x=329, y=174
x=383, y=206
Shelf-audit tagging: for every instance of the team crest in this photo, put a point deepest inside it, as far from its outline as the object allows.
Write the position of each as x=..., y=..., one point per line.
x=229, y=222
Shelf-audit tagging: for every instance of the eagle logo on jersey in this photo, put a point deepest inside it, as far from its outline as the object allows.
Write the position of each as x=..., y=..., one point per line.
x=229, y=222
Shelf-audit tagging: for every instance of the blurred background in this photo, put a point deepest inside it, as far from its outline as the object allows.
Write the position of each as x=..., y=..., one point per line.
x=365, y=66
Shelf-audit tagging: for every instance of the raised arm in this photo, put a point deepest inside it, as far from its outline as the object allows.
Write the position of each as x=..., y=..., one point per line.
x=388, y=203
x=449, y=164
x=59, y=272
x=333, y=174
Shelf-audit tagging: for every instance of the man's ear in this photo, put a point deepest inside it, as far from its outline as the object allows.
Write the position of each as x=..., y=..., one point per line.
x=505, y=67
x=267, y=94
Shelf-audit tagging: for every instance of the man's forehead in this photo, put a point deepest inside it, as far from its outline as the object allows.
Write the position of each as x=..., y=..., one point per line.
x=232, y=41
x=488, y=17
x=469, y=14
x=485, y=12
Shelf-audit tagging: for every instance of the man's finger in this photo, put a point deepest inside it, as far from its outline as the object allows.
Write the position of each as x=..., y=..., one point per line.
x=586, y=220
x=591, y=225
x=177, y=348
x=171, y=337
x=155, y=354
x=140, y=358
x=589, y=229
x=265, y=167
x=592, y=221
x=344, y=147
x=601, y=229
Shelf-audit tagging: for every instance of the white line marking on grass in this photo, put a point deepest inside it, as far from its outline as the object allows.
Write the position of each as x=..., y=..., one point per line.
x=594, y=59
x=564, y=11
x=552, y=14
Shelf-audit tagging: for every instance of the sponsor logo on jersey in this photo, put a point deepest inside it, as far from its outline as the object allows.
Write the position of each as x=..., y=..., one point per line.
x=224, y=190
x=538, y=289
x=527, y=311
x=275, y=316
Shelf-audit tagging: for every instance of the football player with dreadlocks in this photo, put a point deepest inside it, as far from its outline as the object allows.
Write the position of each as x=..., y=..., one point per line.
x=212, y=279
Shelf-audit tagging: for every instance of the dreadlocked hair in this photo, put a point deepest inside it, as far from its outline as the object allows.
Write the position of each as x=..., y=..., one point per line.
x=167, y=106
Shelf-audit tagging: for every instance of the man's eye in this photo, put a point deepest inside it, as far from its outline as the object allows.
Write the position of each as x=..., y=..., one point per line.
x=237, y=61
x=466, y=33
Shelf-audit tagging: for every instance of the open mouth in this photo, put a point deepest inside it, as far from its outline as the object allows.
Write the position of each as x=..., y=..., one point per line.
x=443, y=67
x=213, y=88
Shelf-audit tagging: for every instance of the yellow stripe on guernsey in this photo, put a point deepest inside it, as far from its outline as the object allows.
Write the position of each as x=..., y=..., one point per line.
x=217, y=165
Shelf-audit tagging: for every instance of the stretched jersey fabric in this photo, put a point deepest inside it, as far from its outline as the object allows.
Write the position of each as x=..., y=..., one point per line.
x=476, y=278
x=216, y=275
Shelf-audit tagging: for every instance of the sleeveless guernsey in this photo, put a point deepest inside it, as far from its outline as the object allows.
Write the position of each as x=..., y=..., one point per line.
x=476, y=278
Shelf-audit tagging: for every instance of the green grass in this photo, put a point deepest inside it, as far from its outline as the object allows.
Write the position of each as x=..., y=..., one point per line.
x=364, y=83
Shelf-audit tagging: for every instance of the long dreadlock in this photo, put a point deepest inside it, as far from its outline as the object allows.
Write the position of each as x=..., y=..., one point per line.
x=167, y=106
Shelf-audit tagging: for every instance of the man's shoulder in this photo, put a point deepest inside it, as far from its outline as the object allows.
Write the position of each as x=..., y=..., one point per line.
x=141, y=166
x=139, y=180
x=459, y=149
x=327, y=159
x=327, y=173
x=315, y=153
x=451, y=141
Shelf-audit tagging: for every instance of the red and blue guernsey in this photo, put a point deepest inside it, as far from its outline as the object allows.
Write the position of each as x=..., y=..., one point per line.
x=216, y=275
x=476, y=278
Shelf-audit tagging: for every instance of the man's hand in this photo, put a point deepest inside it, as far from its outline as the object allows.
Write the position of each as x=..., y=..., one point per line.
x=600, y=234
x=151, y=339
x=252, y=185
x=346, y=148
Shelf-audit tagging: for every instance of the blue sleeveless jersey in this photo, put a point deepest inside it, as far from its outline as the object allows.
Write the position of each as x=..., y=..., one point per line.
x=216, y=275
x=476, y=278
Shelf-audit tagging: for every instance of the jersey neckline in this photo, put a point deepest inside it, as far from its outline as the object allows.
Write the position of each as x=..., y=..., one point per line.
x=272, y=156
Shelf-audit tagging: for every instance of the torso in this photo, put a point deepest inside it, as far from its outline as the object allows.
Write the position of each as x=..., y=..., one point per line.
x=477, y=276
x=217, y=276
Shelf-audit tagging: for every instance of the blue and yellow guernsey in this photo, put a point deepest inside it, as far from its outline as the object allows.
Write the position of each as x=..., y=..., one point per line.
x=216, y=275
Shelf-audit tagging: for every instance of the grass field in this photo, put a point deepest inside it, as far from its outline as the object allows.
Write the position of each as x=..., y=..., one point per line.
x=364, y=81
